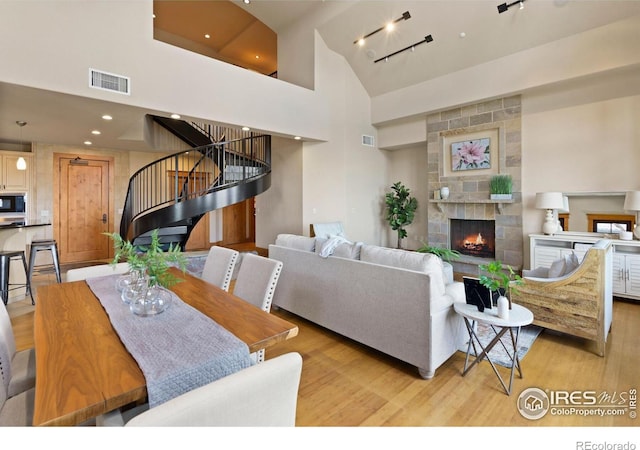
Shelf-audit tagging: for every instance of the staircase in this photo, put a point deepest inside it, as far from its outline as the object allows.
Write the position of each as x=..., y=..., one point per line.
x=173, y=193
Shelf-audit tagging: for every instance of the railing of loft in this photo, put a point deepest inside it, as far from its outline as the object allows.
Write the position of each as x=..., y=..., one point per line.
x=188, y=175
x=218, y=133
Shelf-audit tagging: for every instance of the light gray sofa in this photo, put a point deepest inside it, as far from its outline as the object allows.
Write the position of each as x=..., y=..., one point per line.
x=394, y=301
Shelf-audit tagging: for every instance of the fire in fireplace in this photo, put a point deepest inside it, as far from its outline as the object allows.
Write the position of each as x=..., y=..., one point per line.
x=473, y=237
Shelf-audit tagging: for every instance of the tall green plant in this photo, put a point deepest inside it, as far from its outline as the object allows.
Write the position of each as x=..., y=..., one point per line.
x=401, y=208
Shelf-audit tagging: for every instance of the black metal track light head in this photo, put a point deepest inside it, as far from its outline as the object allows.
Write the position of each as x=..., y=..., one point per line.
x=505, y=6
x=405, y=16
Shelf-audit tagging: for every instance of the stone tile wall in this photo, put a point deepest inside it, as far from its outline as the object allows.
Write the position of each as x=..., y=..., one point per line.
x=469, y=191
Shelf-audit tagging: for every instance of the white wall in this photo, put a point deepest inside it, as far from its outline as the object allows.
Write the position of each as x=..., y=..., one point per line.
x=279, y=209
x=342, y=179
x=578, y=144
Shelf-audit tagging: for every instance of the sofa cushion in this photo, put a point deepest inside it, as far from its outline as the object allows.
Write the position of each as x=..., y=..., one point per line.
x=295, y=241
x=403, y=259
x=350, y=250
x=319, y=243
x=538, y=272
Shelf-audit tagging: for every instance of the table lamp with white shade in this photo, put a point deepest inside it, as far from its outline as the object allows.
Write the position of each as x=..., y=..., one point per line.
x=549, y=201
x=632, y=203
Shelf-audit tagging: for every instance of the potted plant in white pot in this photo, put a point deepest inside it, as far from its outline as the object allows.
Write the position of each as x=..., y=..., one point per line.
x=501, y=187
x=501, y=280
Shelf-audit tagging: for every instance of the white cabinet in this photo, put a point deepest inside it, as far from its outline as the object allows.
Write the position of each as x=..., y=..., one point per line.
x=12, y=179
x=544, y=255
x=626, y=274
x=545, y=249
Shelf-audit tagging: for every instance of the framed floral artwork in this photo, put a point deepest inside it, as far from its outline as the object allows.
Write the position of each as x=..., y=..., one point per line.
x=473, y=154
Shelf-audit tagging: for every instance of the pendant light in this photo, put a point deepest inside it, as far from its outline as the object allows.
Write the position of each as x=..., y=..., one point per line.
x=21, y=163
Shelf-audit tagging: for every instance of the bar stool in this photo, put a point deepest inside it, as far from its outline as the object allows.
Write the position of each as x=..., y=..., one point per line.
x=5, y=266
x=40, y=245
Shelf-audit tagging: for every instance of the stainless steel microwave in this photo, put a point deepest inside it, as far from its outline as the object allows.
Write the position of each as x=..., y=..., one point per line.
x=12, y=203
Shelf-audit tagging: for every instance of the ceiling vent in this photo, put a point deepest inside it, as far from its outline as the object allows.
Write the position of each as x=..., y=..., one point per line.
x=368, y=140
x=109, y=82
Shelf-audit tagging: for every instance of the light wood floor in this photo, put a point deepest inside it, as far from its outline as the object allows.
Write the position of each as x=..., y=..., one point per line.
x=346, y=384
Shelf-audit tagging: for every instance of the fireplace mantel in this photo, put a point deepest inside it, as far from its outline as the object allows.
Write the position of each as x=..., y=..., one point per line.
x=499, y=203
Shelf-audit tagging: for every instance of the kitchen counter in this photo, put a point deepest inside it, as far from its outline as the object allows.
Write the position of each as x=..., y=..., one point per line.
x=17, y=235
x=25, y=223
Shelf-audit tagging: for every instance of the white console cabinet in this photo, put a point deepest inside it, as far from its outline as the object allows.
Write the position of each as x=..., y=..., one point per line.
x=545, y=249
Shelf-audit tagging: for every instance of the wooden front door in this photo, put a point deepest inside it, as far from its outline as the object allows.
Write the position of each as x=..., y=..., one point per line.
x=199, y=237
x=238, y=223
x=83, y=204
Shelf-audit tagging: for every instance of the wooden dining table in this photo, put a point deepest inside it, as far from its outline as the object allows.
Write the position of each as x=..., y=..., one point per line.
x=82, y=368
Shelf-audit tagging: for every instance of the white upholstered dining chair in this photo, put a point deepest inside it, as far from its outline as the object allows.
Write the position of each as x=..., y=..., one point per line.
x=17, y=369
x=82, y=273
x=256, y=284
x=263, y=395
x=219, y=265
x=16, y=411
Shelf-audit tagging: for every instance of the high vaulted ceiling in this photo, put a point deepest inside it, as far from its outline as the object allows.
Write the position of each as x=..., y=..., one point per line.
x=465, y=33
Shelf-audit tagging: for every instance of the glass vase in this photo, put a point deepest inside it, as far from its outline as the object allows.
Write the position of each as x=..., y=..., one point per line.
x=151, y=300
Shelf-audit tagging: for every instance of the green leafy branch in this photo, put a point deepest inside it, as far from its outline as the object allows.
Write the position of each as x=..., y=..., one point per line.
x=499, y=279
x=152, y=258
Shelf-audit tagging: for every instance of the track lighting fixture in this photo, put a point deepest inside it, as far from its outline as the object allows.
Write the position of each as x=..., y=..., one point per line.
x=389, y=26
x=505, y=6
x=411, y=47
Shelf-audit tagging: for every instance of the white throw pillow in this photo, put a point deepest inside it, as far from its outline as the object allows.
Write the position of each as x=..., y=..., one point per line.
x=571, y=263
x=557, y=268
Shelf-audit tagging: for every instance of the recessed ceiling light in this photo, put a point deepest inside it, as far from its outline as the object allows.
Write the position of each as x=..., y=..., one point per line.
x=297, y=138
x=257, y=56
x=246, y=2
x=463, y=34
x=361, y=42
x=390, y=26
x=88, y=142
x=245, y=128
x=207, y=36
x=107, y=117
x=96, y=132
x=175, y=116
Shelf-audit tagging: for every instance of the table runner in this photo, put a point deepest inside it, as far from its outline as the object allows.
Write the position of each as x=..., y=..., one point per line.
x=178, y=350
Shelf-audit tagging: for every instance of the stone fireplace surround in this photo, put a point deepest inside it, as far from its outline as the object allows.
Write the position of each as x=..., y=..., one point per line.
x=469, y=190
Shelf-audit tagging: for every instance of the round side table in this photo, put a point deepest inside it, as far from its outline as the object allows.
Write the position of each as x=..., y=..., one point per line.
x=519, y=316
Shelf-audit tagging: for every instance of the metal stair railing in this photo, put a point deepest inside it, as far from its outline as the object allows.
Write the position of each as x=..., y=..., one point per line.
x=183, y=176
